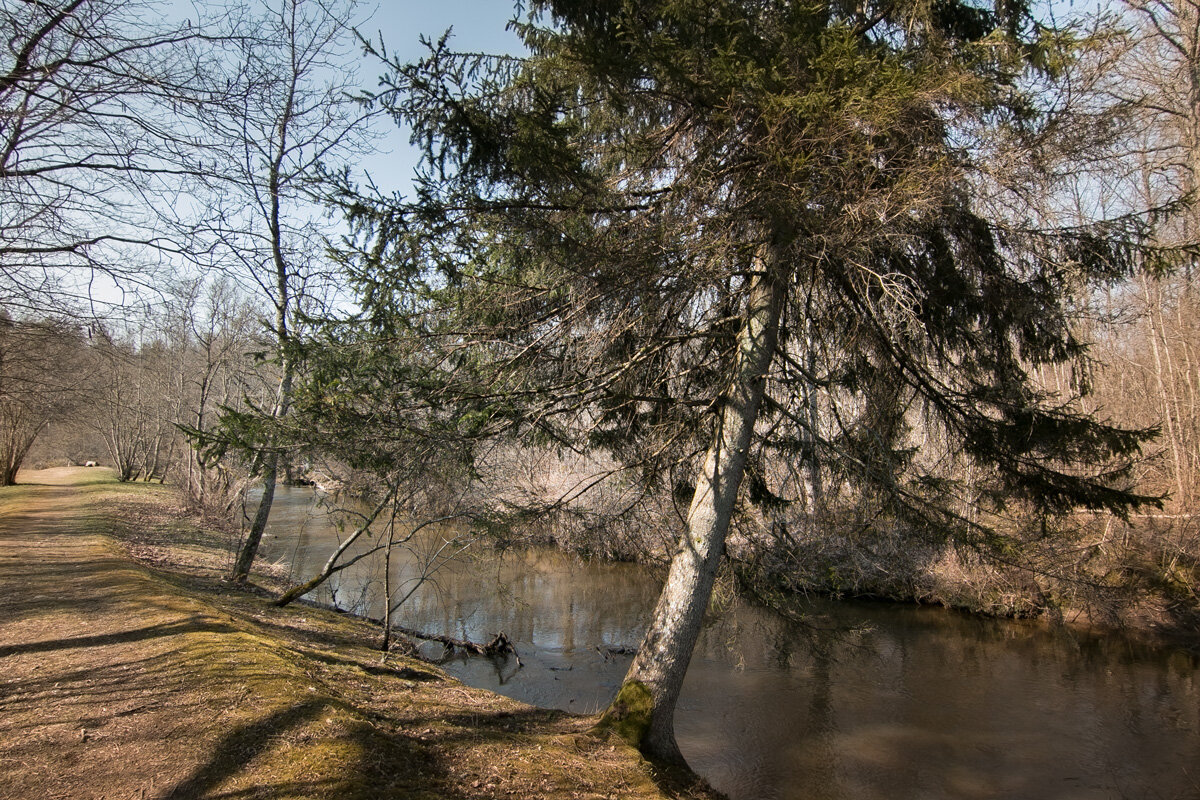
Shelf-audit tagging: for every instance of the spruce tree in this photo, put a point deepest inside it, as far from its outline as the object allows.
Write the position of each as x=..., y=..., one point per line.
x=675, y=222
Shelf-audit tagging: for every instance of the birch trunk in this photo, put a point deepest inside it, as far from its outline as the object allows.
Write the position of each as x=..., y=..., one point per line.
x=643, y=712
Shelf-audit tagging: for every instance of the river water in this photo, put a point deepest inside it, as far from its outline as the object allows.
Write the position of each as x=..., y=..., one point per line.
x=863, y=701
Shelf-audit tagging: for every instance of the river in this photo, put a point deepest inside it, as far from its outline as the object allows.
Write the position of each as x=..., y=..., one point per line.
x=862, y=701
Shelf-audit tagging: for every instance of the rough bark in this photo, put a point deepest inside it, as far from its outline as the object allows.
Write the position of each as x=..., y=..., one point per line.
x=656, y=675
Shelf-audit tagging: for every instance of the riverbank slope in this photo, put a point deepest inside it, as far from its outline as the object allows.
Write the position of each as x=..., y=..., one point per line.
x=128, y=669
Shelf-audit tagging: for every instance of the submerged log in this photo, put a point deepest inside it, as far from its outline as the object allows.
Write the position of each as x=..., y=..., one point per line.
x=612, y=651
x=499, y=647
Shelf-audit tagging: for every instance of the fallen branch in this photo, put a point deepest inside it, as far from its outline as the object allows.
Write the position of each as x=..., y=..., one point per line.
x=611, y=651
x=500, y=646
x=332, y=566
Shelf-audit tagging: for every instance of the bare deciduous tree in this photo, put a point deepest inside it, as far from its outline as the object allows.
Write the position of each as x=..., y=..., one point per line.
x=292, y=120
x=43, y=376
x=89, y=145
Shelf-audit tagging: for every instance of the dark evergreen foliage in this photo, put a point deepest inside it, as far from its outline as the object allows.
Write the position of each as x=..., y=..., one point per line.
x=589, y=219
x=681, y=228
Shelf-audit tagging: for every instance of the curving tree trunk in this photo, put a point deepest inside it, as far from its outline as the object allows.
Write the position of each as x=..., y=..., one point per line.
x=643, y=711
x=270, y=474
x=285, y=295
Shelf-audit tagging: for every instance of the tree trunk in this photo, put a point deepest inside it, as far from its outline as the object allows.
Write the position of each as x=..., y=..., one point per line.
x=814, y=489
x=249, y=548
x=18, y=442
x=643, y=711
x=283, y=299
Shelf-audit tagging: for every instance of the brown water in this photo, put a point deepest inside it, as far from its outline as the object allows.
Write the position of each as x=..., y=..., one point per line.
x=866, y=701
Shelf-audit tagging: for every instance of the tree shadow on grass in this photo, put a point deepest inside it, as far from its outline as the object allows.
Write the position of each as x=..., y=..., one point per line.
x=514, y=727
x=136, y=635
x=388, y=765
x=379, y=670
x=281, y=623
x=92, y=695
x=240, y=746
x=353, y=759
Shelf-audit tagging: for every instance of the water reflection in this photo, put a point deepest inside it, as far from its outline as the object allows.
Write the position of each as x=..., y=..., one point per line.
x=868, y=701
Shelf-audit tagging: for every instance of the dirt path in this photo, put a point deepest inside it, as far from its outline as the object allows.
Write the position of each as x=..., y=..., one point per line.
x=122, y=681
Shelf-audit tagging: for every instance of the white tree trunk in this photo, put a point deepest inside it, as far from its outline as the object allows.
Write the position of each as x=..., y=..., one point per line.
x=643, y=712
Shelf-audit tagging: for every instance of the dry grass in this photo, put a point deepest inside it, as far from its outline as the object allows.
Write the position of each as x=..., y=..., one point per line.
x=1140, y=576
x=131, y=670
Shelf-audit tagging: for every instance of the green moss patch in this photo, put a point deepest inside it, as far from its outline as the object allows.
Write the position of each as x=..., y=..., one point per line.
x=628, y=716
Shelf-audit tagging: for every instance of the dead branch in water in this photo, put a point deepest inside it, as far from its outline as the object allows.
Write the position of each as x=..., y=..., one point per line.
x=500, y=645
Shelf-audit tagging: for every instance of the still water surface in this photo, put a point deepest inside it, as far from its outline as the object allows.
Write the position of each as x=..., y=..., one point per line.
x=867, y=701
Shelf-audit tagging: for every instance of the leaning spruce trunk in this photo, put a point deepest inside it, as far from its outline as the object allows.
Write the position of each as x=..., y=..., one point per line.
x=643, y=711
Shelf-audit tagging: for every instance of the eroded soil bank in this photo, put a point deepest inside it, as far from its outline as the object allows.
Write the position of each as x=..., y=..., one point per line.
x=129, y=670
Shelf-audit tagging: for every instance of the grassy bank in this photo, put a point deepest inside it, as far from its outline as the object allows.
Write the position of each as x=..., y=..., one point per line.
x=131, y=670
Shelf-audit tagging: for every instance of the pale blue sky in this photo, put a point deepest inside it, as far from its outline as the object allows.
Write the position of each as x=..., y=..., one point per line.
x=478, y=26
